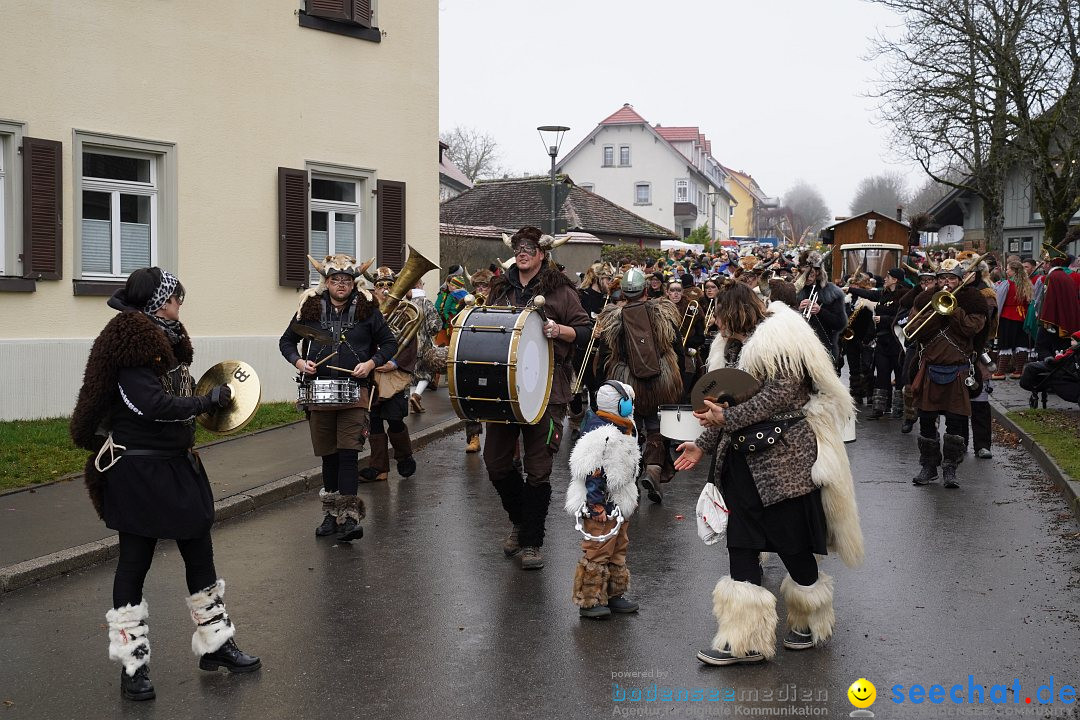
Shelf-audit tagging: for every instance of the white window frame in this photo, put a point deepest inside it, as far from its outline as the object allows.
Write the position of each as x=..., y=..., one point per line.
x=604, y=162
x=11, y=139
x=333, y=208
x=648, y=189
x=114, y=188
x=684, y=185
x=162, y=189
x=365, y=201
x=591, y=187
x=626, y=149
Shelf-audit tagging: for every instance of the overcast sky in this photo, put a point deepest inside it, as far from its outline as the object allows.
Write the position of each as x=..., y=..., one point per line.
x=777, y=85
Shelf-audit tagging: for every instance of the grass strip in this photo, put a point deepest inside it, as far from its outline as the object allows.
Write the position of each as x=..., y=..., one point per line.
x=1057, y=431
x=33, y=452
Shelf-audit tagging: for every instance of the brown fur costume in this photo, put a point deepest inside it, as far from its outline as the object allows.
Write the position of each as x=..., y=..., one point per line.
x=311, y=310
x=590, y=584
x=667, y=387
x=969, y=299
x=549, y=279
x=131, y=339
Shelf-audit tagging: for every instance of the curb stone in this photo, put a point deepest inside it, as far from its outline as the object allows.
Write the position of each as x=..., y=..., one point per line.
x=48, y=566
x=1069, y=487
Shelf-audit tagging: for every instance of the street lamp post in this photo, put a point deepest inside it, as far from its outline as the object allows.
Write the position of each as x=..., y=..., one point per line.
x=552, y=137
x=713, y=197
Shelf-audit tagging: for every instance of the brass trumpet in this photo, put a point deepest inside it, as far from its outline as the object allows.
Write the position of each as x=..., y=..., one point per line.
x=812, y=298
x=943, y=302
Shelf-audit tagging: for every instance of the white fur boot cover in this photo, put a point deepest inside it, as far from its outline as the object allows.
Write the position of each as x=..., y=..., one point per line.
x=745, y=616
x=208, y=611
x=128, y=641
x=810, y=606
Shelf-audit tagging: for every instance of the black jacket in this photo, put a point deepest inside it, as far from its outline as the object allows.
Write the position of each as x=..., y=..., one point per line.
x=359, y=330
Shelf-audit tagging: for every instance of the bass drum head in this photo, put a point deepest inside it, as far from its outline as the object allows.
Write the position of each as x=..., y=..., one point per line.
x=533, y=372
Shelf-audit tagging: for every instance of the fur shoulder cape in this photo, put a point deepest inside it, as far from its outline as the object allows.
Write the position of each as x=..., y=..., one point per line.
x=663, y=315
x=618, y=454
x=665, y=388
x=784, y=344
x=311, y=308
x=549, y=279
x=129, y=340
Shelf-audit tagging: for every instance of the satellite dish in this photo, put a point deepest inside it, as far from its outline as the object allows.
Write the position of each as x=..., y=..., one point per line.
x=949, y=234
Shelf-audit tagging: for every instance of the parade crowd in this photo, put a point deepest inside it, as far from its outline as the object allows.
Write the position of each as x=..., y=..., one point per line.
x=923, y=344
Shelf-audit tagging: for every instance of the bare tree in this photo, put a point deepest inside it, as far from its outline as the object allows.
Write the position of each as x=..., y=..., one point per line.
x=802, y=213
x=474, y=152
x=882, y=193
x=974, y=88
x=929, y=194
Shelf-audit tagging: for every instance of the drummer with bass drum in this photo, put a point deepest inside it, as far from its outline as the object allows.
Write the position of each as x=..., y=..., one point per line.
x=343, y=338
x=566, y=324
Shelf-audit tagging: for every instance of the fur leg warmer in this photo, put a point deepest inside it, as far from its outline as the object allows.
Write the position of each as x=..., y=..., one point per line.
x=910, y=413
x=810, y=606
x=590, y=584
x=128, y=641
x=329, y=501
x=746, y=618
x=929, y=452
x=350, y=506
x=213, y=626
x=954, y=447
x=618, y=580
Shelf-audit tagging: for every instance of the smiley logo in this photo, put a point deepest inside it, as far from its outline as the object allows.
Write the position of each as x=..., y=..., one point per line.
x=862, y=693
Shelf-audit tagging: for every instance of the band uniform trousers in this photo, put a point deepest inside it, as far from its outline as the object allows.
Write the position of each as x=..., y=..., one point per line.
x=536, y=456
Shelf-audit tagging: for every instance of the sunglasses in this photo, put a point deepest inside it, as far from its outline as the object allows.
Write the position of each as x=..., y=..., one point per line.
x=529, y=249
x=340, y=280
x=384, y=284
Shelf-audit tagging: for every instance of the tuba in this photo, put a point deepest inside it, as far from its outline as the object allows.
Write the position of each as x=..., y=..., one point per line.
x=405, y=317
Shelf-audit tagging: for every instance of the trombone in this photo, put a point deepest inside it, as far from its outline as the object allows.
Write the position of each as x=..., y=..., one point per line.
x=580, y=379
x=943, y=302
x=688, y=319
x=812, y=298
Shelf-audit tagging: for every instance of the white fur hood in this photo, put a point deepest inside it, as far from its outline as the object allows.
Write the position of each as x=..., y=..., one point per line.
x=618, y=454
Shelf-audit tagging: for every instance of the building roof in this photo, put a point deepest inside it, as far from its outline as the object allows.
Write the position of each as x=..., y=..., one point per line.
x=623, y=116
x=867, y=215
x=678, y=134
x=517, y=202
x=449, y=171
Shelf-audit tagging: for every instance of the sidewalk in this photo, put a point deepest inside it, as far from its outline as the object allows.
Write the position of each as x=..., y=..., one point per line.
x=45, y=531
x=1009, y=396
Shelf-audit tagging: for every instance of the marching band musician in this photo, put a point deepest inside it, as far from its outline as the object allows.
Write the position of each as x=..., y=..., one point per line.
x=822, y=303
x=593, y=292
x=910, y=364
x=887, y=349
x=362, y=341
x=856, y=346
x=641, y=348
x=138, y=389
x=710, y=288
x=526, y=503
x=946, y=346
x=481, y=282
x=392, y=404
x=691, y=327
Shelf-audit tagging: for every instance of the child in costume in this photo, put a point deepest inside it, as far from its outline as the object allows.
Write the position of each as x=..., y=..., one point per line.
x=602, y=496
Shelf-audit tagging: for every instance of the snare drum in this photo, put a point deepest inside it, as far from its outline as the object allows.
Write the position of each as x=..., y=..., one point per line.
x=328, y=391
x=677, y=422
x=500, y=365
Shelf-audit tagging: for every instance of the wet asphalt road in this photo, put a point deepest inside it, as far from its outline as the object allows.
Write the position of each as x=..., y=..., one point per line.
x=424, y=617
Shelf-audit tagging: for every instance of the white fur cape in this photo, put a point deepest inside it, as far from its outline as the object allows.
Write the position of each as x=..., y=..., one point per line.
x=785, y=344
x=618, y=454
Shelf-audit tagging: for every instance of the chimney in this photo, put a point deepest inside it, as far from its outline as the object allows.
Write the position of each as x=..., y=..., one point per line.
x=900, y=213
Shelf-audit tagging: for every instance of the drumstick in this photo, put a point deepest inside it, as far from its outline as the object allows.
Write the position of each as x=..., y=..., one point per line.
x=326, y=358
x=335, y=367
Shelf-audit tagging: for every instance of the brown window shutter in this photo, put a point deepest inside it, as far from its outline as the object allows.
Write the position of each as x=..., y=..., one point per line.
x=362, y=12
x=391, y=223
x=292, y=227
x=331, y=9
x=43, y=219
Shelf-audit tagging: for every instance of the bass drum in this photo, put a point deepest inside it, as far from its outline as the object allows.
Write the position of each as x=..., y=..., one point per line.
x=500, y=365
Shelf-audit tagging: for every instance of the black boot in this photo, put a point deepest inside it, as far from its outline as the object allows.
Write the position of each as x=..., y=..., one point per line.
x=897, y=409
x=910, y=414
x=231, y=658
x=403, y=454
x=535, y=500
x=350, y=512
x=329, y=506
x=137, y=686
x=953, y=449
x=929, y=459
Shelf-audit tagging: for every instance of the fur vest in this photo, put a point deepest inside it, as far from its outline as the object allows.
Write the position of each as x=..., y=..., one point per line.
x=129, y=340
x=664, y=389
x=785, y=345
x=618, y=454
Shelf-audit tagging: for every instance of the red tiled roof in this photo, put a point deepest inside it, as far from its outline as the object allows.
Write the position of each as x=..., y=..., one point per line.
x=677, y=134
x=624, y=115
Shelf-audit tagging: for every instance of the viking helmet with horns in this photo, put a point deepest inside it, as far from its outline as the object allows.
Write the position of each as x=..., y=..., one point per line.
x=533, y=234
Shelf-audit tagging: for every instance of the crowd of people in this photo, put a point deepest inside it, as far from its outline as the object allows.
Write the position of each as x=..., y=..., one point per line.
x=924, y=341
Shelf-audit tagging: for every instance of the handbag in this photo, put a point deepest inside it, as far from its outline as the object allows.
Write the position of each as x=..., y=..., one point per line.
x=763, y=435
x=712, y=514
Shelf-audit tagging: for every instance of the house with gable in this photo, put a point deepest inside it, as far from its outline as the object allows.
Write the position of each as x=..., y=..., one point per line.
x=746, y=218
x=667, y=175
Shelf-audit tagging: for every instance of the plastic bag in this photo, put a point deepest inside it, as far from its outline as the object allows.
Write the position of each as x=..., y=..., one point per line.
x=712, y=514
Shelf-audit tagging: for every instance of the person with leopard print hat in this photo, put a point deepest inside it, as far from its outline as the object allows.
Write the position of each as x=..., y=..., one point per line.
x=136, y=414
